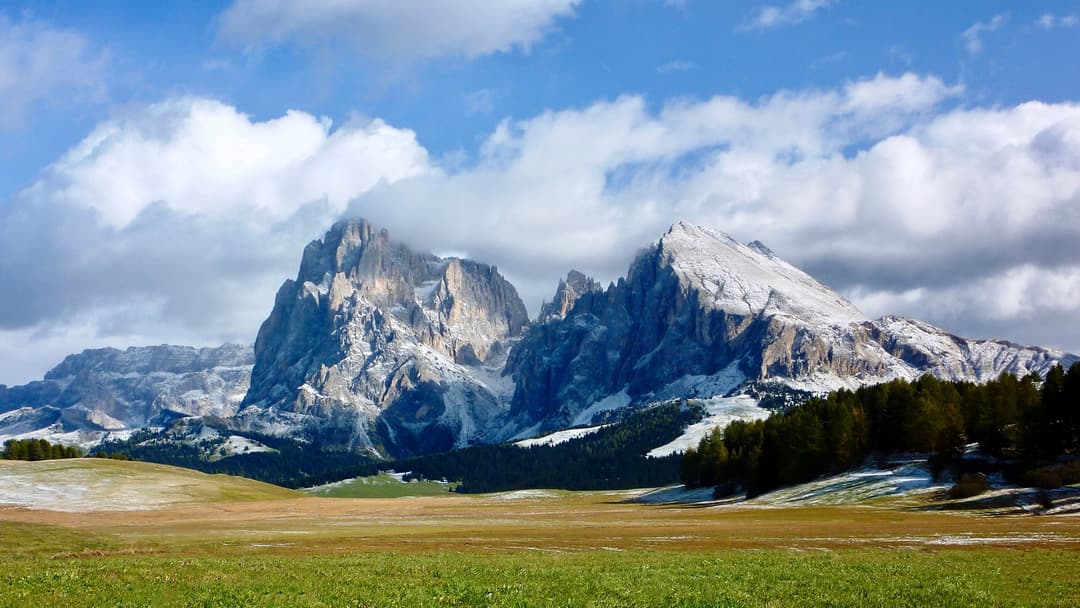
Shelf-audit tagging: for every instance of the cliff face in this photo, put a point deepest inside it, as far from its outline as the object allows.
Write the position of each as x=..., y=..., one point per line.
x=377, y=347
x=699, y=314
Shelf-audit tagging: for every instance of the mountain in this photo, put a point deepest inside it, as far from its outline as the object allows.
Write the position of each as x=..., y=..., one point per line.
x=376, y=347
x=108, y=390
x=380, y=349
x=700, y=314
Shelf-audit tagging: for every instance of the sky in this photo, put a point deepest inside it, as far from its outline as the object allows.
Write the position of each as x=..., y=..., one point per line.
x=164, y=164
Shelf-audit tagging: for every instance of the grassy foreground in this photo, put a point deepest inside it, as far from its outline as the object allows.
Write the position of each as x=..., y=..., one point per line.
x=638, y=578
x=131, y=535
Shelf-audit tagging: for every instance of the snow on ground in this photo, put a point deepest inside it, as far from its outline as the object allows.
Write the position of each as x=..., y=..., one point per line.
x=559, y=436
x=719, y=412
x=675, y=494
x=525, y=494
x=236, y=444
x=80, y=485
x=702, y=387
x=614, y=401
x=907, y=478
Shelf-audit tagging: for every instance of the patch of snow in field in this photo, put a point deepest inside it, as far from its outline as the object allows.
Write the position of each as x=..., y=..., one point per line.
x=856, y=486
x=559, y=436
x=719, y=412
x=675, y=494
x=612, y=402
x=59, y=486
x=525, y=494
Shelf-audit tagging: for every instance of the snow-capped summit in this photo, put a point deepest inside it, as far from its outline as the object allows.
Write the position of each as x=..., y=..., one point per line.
x=749, y=279
x=699, y=315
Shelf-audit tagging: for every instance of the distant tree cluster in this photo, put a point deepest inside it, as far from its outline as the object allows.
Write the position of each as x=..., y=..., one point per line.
x=612, y=458
x=38, y=449
x=1028, y=420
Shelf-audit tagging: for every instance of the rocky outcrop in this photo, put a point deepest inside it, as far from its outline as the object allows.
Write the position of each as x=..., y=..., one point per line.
x=106, y=389
x=567, y=294
x=380, y=348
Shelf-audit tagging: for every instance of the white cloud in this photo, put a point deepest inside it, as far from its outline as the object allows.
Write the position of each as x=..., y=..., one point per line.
x=40, y=63
x=1050, y=21
x=481, y=101
x=874, y=187
x=199, y=156
x=769, y=16
x=402, y=31
x=973, y=35
x=178, y=223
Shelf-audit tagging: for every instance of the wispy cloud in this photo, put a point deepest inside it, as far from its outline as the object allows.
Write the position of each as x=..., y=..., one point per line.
x=481, y=101
x=973, y=35
x=1050, y=21
x=40, y=63
x=400, y=32
x=679, y=65
x=770, y=16
x=827, y=59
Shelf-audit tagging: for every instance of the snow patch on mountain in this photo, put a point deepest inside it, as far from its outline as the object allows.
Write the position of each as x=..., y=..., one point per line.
x=719, y=412
x=559, y=437
x=612, y=402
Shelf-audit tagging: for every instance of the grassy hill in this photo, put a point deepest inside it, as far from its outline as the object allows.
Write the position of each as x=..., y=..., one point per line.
x=92, y=484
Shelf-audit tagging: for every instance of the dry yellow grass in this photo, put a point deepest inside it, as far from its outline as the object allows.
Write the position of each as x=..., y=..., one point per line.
x=555, y=522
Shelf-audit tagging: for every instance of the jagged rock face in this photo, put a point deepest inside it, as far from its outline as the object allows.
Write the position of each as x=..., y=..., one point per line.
x=568, y=293
x=107, y=389
x=377, y=347
x=698, y=314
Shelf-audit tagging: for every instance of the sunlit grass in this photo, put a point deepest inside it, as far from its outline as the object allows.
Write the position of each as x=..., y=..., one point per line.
x=594, y=578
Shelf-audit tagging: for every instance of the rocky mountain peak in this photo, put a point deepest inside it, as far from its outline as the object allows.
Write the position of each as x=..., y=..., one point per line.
x=748, y=280
x=569, y=291
x=384, y=337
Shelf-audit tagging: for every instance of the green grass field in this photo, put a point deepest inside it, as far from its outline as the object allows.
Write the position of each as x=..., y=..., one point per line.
x=595, y=578
x=268, y=547
x=382, y=485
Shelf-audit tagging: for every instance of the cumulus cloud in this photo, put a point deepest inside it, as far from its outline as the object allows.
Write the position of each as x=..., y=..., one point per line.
x=179, y=221
x=201, y=157
x=878, y=188
x=42, y=63
x=402, y=31
x=973, y=35
x=770, y=16
x=158, y=227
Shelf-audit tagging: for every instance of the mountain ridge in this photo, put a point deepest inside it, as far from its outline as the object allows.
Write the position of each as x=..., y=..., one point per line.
x=379, y=348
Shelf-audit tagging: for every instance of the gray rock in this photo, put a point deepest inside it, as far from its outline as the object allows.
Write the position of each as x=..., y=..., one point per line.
x=699, y=314
x=106, y=389
x=376, y=347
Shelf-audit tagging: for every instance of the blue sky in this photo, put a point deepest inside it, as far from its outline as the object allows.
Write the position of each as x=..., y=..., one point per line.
x=440, y=123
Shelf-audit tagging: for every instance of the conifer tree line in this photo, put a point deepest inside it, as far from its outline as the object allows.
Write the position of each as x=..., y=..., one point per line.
x=38, y=449
x=1030, y=421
